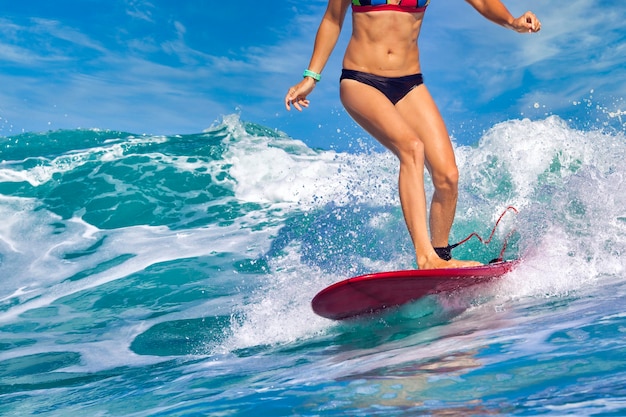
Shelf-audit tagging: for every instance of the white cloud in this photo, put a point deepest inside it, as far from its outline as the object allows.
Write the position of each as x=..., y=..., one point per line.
x=41, y=42
x=52, y=29
x=580, y=43
x=142, y=10
x=155, y=60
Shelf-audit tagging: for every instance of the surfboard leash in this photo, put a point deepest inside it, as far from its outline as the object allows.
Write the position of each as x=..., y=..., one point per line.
x=488, y=240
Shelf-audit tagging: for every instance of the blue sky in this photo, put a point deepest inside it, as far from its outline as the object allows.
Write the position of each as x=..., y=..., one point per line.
x=168, y=67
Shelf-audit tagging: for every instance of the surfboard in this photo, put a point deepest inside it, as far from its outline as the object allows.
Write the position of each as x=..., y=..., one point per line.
x=371, y=293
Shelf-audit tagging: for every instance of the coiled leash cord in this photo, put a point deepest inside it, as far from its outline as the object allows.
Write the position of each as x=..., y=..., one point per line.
x=445, y=253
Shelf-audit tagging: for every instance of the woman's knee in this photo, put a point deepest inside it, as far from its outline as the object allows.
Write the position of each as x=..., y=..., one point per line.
x=411, y=151
x=447, y=180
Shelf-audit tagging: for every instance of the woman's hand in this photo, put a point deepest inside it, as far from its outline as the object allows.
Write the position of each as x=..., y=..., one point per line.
x=298, y=93
x=497, y=12
x=526, y=23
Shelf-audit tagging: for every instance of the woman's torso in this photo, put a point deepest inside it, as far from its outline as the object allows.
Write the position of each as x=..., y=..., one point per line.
x=384, y=43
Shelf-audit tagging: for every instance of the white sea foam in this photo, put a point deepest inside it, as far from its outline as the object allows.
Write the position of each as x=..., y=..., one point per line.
x=569, y=190
x=46, y=168
x=34, y=261
x=567, y=184
x=285, y=171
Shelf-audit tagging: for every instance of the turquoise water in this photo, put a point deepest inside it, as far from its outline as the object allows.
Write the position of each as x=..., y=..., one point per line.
x=172, y=276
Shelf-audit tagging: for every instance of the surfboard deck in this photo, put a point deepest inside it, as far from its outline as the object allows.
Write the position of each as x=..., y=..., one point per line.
x=371, y=293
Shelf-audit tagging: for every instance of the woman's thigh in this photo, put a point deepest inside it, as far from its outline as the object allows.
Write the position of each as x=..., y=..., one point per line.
x=378, y=116
x=420, y=112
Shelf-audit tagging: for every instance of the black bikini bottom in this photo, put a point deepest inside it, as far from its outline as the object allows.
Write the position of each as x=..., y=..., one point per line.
x=394, y=88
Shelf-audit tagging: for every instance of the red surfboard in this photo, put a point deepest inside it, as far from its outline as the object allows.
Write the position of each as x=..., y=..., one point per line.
x=371, y=293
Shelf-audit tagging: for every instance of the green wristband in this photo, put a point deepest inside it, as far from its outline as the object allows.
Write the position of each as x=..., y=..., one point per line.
x=312, y=74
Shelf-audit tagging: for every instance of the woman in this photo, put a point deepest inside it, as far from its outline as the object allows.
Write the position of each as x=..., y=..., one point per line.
x=381, y=88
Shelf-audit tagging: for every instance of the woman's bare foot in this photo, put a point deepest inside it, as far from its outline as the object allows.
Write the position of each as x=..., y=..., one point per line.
x=457, y=263
x=435, y=262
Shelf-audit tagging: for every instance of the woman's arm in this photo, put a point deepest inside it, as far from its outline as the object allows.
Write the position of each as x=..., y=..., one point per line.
x=325, y=41
x=497, y=12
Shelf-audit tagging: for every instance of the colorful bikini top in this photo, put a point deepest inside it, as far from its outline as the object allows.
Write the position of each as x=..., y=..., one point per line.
x=410, y=6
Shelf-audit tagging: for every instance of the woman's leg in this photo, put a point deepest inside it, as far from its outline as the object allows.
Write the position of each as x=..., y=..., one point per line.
x=379, y=117
x=397, y=129
x=421, y=113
